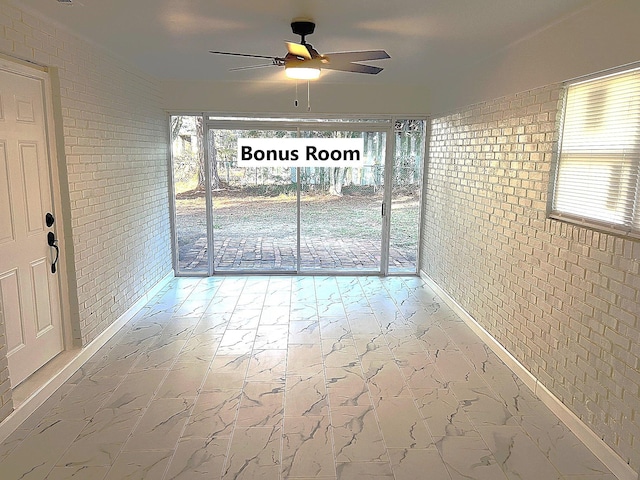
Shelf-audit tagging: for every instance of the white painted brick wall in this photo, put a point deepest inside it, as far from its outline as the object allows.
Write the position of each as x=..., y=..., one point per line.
x=564, y=300
x=115, y=142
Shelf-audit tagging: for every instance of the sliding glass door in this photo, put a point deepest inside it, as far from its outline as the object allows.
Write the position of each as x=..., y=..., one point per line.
x=341, y=222
x=254, y=214
x=314, y=219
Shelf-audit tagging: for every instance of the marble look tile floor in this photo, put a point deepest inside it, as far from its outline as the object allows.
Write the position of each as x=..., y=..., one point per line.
x=276, y=377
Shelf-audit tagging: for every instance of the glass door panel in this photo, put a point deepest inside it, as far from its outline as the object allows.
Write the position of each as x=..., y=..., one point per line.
x=406, y=191
x=189, y=194
x=254, y=209
x=341, y=210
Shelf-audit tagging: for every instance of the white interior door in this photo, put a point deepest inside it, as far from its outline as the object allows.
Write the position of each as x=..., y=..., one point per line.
x=29, y=292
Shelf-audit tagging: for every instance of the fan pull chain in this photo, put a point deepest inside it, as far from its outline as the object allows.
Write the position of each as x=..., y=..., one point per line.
x=295, y=102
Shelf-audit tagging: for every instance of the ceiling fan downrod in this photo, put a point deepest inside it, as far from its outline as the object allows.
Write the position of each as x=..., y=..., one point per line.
x=303, y=28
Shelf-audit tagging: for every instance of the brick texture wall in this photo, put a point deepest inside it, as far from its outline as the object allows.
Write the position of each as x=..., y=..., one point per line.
x=564, y=300
x=115, y=144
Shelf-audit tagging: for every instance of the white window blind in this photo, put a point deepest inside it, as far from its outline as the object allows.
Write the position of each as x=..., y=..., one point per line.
x=598, y=173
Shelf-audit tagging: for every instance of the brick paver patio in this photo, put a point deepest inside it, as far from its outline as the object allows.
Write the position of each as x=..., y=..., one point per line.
x=277, y=254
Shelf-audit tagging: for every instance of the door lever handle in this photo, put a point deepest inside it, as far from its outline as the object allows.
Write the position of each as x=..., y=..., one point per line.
x=51, y=240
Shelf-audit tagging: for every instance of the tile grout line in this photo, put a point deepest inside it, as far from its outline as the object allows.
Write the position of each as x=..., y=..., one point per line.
x=324, y=375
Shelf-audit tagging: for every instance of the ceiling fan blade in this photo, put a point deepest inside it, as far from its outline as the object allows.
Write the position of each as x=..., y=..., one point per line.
x=250, y=67
x=352, y=67
x=243, y=55
x=356, y=56
x=298, y=50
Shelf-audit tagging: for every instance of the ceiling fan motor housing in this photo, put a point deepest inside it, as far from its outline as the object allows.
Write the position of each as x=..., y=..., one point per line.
x=303, y=28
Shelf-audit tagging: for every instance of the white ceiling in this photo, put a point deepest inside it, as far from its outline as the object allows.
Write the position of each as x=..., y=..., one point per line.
x=427, y=39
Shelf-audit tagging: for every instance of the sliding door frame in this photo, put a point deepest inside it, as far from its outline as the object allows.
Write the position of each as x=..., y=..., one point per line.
x=373, y=123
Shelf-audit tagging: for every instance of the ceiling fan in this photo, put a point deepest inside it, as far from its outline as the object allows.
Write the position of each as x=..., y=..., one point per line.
x=302, y=61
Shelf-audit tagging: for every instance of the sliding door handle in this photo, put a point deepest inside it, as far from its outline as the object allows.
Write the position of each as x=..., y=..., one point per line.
x=51, y=240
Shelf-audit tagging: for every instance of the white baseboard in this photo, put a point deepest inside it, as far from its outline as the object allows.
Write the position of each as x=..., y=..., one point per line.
x=599, y=448
x=74, y=359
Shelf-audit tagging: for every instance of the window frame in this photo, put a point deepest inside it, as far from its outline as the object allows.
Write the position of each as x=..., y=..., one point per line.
x=628, y=231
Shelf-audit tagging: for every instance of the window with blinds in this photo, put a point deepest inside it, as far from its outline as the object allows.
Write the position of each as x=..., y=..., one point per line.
x=598, y=172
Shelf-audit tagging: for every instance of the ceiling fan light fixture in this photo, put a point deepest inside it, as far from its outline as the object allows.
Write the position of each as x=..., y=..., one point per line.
x=302, y=73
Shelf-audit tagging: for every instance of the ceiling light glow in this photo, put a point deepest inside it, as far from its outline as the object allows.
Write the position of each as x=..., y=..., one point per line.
x=302, y=73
